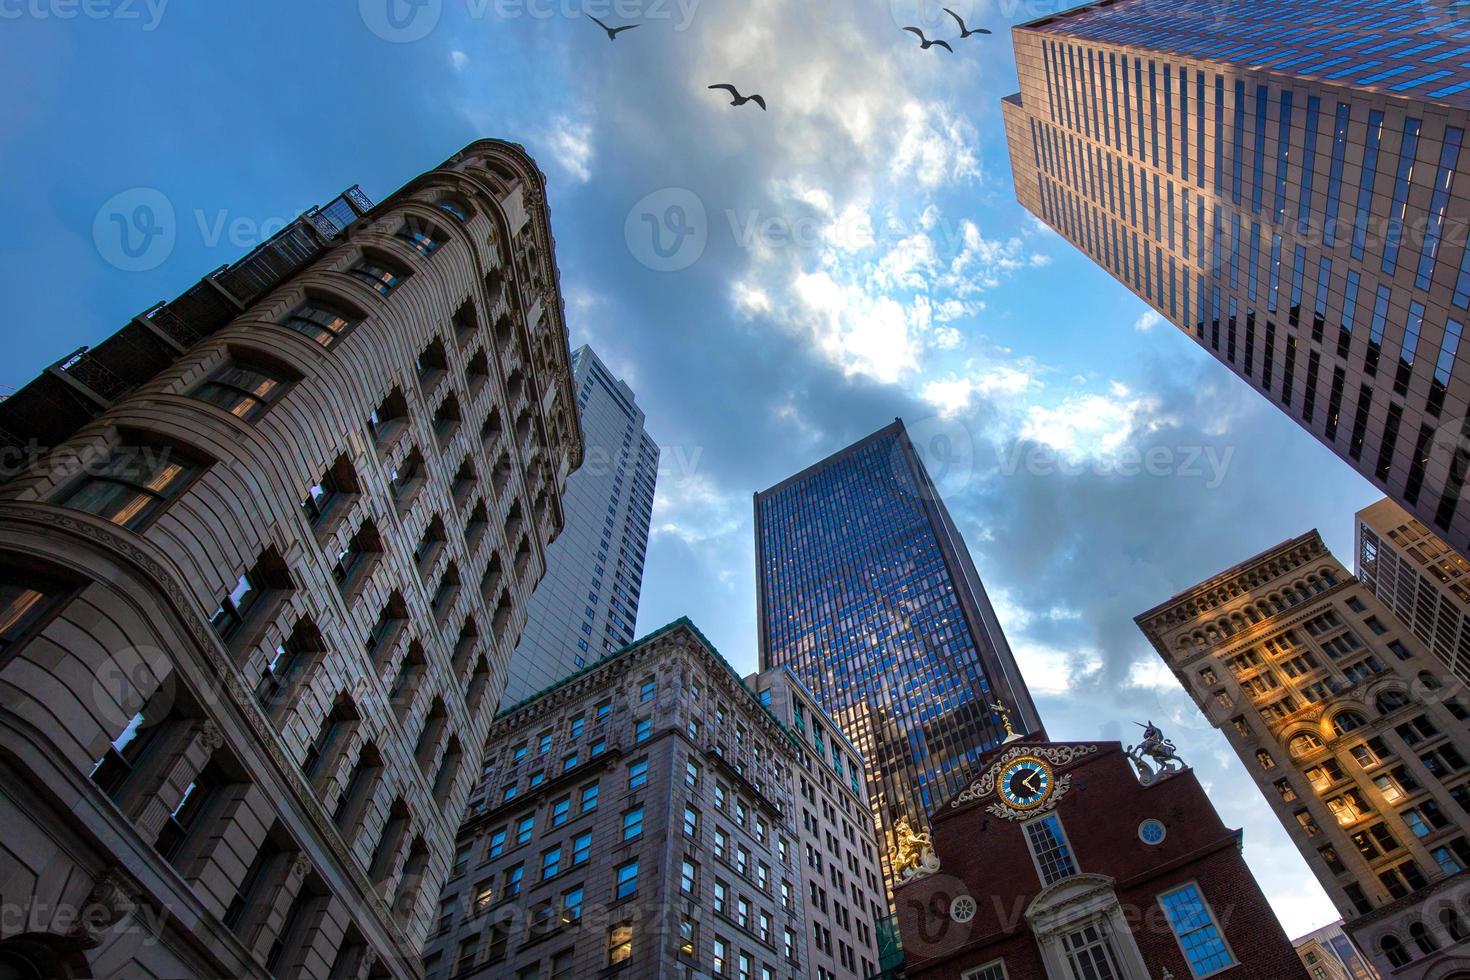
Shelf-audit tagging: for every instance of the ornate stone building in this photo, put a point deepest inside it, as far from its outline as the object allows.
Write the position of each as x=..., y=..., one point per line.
x=1353, y=732
x=644, y=817
x=1068, y=860
x=841, y=872
x=262, y=568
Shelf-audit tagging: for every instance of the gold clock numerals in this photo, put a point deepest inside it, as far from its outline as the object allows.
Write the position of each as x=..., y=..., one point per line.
x=1026, y=783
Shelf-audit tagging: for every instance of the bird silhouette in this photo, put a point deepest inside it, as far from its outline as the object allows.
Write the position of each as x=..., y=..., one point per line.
x=928, y=43
x=612, y=32
x=741, y=99
x=964, y=31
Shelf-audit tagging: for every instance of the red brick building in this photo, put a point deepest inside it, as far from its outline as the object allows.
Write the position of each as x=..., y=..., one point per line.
x=1059, y=861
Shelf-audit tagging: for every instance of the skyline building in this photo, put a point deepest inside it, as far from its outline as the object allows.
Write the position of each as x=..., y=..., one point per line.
x=1328, y=954
x=1279, y=180
x=260, y=586
x=868, y=594
x=1423, y=580
x=641, y=817
x=1354, y=733
x=586, y=606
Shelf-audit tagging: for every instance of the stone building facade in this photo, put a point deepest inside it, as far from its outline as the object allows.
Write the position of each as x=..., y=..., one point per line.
x=1355, y=735
x=1281, y=180
x=841, y=872
x=261, y=574
x=1423, y=580
x=641, y=818
x=1059, y=861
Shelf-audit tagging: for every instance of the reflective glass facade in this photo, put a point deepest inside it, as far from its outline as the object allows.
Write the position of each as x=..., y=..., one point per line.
x=868, y=594
x=1278, y=179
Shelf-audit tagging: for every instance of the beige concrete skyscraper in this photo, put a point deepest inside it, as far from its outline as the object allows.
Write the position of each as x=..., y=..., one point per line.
x=1419, y=577
x=261, y=572
x=1354, y=734
x=1280, y=179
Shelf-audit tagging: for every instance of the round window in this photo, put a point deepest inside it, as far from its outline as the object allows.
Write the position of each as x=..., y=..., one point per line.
x=1151, y=832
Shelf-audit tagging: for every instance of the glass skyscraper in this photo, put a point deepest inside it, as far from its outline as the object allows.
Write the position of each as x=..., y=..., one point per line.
x=1279, y=179
x=587, y=605
x=868, y=594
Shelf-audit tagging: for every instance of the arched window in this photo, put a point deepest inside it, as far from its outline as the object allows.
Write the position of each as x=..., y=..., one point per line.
x=1393, y=950
x=1390, y=701
x=1423, y=938
x=1304, y=744
x=1453, y=924
x=1347, y=721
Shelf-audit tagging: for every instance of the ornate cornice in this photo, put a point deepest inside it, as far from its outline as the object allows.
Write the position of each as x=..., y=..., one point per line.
x=1226, y=587
x=1057, y=755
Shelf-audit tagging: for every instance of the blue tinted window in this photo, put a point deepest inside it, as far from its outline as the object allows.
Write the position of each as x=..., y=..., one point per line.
x=1258, y=166
x=1309, y=160
x=1283, y=151
x=1365, y=188
x=1407, y=151
x=1273, y=289
x=1195, y=929
x=1444, y=179
x=1334, y=174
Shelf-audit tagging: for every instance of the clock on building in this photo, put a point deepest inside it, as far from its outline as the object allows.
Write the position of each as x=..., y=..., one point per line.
x=1026, y=783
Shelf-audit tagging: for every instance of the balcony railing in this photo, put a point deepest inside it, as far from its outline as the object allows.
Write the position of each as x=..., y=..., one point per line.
x=74, y=390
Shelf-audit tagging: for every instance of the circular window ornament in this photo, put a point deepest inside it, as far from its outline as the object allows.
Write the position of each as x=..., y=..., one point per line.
x=1151, y=832
x=962, y=909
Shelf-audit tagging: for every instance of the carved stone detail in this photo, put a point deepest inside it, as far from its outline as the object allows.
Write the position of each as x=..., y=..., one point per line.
x=1057, y=755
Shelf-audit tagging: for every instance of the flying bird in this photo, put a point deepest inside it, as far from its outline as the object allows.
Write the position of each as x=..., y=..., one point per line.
x=612, y=32
x=964, y=31
x=741, y=99
x=928, y=43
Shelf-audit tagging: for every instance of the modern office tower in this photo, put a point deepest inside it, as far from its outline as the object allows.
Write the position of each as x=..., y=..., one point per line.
x=1341, y=717
x=841, y=871
x=868, y=593
x=1277, y=178
x=1328, y=954
x=639, y=817
x=1419, y=577
x=587, y=604
x=260, y=586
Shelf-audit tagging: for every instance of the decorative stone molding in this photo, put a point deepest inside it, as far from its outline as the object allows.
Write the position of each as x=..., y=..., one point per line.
x=1057, y=755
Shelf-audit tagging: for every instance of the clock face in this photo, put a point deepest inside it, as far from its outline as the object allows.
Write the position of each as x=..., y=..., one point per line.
x=1026, y=783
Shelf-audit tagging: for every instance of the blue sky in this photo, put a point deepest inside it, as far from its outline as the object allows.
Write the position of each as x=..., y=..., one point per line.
x=852, y=255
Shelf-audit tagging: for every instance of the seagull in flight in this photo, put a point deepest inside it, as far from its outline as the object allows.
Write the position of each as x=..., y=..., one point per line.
x=612, y=32
x=741, y=99
x=965, y=31
x=928, y=43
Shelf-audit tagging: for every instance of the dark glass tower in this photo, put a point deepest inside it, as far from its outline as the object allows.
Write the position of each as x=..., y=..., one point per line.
x=868, y=594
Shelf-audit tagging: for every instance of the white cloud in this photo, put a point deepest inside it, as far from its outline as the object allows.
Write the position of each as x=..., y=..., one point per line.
x=997, y=381
x=1147, y=320
x=570, y=143
x=1091, y=424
